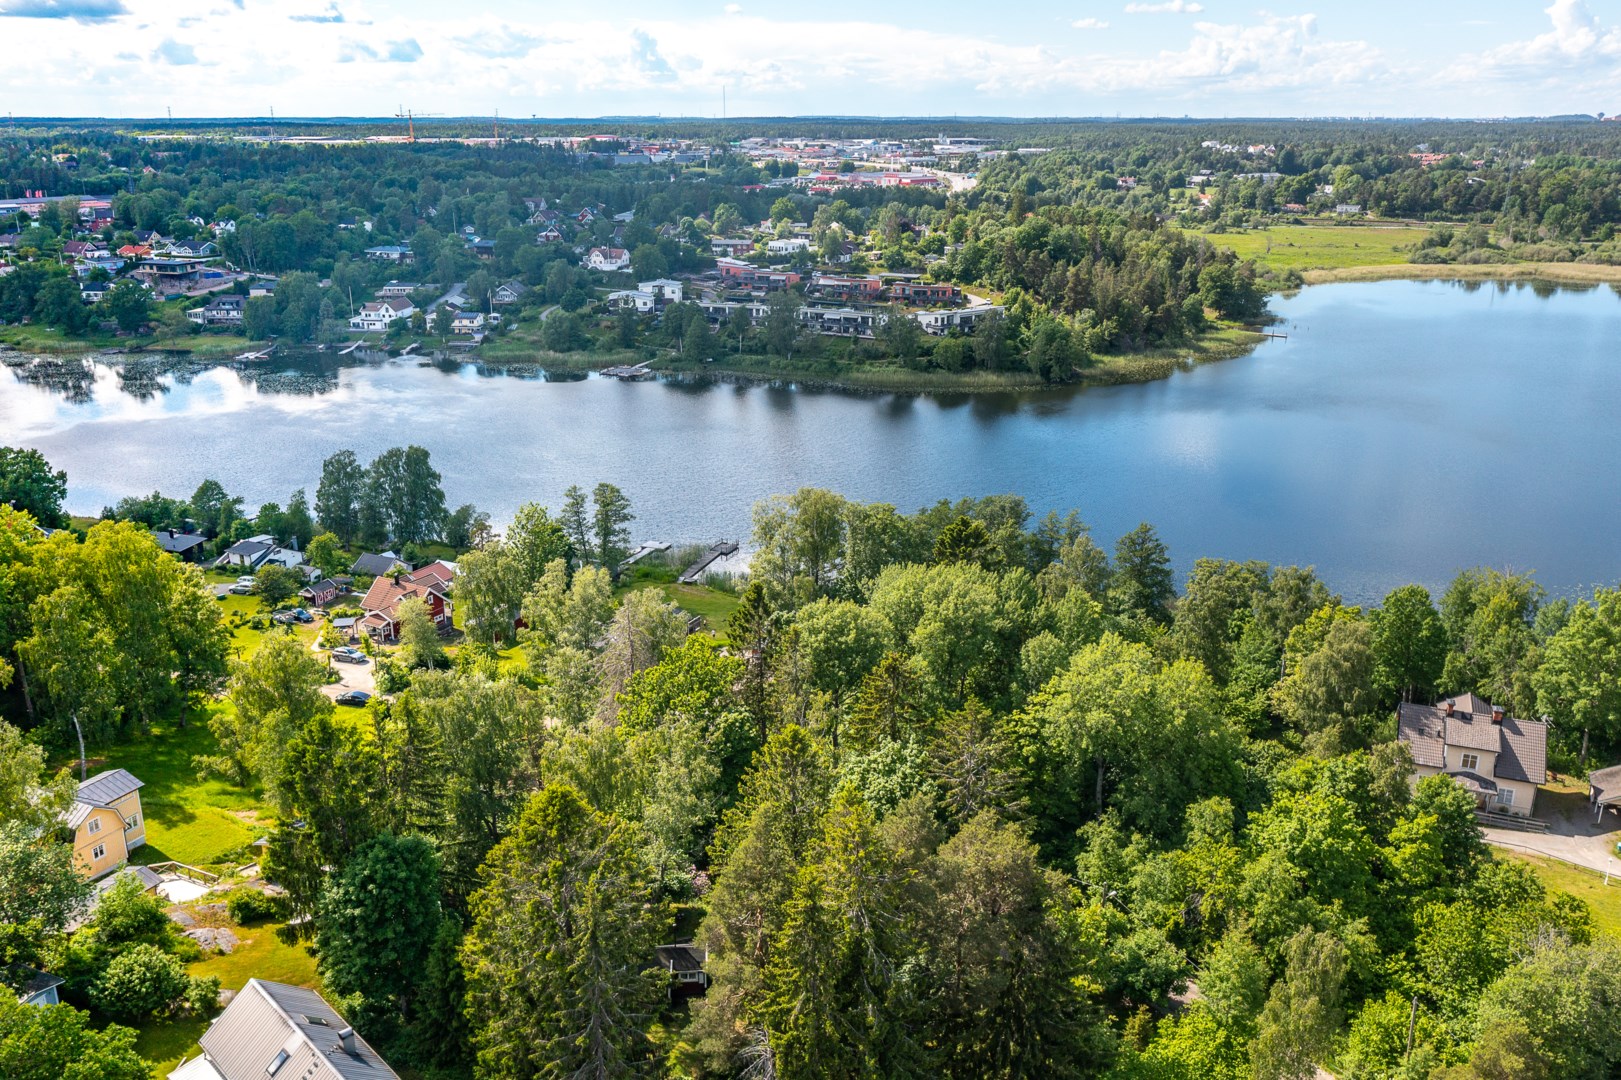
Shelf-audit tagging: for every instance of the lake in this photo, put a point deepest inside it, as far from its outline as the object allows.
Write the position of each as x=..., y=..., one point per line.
x=1402, y=431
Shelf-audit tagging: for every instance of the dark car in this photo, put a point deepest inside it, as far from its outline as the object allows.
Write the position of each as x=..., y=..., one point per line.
x=301, y=615
x=352, y=697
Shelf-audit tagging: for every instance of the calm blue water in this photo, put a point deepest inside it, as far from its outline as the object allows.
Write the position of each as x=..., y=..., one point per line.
x=1405, y=430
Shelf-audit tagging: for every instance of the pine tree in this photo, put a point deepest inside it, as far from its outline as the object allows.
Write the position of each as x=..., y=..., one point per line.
x=558, y=982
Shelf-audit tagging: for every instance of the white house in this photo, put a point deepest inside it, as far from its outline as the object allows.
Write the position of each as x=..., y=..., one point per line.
x=639, y=300
x=664, y=290
x=607, y=259
x=942, y=321
x=378, y=314
x=1496, y=758
x=468, y=322
x=789, y=246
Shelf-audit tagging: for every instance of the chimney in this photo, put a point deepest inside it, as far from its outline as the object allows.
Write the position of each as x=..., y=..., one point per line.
x=346, y=1039
x=1449, y=706
x=1497, y=714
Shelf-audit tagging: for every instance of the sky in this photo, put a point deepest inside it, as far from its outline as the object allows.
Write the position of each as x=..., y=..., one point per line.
x=569, y=58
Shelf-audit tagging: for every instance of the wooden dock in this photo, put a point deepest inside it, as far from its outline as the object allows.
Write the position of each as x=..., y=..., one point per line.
x=345, y=351
x=261, y=354
x=630, y=373
x=694, y=574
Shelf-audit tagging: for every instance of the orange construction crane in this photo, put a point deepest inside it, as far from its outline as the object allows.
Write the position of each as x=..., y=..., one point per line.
x=410, y=120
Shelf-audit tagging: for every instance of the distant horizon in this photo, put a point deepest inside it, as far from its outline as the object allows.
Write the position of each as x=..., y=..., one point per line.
x=876, y=118
x=714, y=59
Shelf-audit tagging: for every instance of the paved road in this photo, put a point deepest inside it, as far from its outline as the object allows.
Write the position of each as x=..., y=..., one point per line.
x=1572, y=836
x=350, y=677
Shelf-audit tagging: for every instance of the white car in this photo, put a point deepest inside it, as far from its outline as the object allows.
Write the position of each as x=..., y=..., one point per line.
x=245, y=579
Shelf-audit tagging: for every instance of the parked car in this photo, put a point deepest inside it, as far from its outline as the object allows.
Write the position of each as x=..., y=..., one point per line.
x=240, y=589
x=245, y=579
x=348, y=655
x=301, y=615
x=352, y=697
x=283, y=617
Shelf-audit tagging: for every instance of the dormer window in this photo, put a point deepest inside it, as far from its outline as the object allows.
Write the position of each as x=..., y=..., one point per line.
x=1469, y=762
x=94, y=827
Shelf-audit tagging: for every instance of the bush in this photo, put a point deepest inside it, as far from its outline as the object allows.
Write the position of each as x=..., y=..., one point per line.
x=247, y=905
x=202, y=995
x=142, y=982
x=391, y=676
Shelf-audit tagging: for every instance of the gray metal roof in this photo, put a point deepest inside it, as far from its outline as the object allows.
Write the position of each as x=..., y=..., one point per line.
x=267, y=1018
x=106, y=788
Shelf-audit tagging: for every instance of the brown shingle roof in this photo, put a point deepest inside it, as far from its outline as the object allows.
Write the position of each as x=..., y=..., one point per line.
x=1521, y=746
x=385, y=594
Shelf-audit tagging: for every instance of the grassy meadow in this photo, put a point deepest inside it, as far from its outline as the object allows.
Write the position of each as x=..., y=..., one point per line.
x=1323, y=247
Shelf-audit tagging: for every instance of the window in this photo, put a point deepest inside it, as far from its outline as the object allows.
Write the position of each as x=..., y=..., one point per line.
x=132, y=821
x=94, y=827
x=1470, y=762
x=98, y=852
x=1505, y=797
x=276, y=1063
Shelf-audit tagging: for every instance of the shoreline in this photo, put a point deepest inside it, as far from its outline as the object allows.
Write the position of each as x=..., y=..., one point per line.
x=1227, y=343
x=1553, y=273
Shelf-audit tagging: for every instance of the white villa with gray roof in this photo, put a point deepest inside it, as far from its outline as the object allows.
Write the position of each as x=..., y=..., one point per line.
x=1496, y=758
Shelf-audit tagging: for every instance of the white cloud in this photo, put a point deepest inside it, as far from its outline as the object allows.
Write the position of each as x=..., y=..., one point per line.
x=482, y=55
x=1169, y=7
x=734, y=9
x=1577, y=36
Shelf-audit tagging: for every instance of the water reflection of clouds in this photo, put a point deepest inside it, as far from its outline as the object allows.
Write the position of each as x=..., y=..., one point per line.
x=31, y=411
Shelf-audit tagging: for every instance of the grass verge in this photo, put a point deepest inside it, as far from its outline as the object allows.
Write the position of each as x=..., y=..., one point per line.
x=1557, y=273
x=1580, y=882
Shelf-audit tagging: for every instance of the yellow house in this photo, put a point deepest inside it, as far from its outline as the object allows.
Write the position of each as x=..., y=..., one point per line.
x=107, y=822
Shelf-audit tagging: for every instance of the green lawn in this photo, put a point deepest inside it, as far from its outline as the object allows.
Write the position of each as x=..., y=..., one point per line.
x=205, y=823
x=260, y=954
x=1588, y=885
x=715, y=606
x=238, y=611
x=1322, y=247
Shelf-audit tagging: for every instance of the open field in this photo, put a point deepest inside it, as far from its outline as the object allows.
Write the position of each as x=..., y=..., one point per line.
x=1588, y=885
x=1323, y=247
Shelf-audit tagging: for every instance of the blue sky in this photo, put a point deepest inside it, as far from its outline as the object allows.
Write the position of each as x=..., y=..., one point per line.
x=772, y=57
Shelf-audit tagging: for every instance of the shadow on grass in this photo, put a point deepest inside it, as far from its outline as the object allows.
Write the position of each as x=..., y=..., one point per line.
x=165, y=1042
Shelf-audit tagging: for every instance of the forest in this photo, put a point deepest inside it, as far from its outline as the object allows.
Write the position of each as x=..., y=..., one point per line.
x=957, y=792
